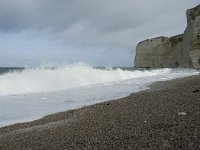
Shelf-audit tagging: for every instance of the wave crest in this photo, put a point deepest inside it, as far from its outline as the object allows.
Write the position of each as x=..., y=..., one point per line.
x=47, y=79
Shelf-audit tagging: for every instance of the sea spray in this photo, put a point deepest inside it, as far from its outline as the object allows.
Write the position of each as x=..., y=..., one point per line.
x=57, y=78
x=31, y=93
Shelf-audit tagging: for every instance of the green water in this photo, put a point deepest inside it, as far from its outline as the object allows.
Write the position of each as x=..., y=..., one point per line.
x=4, y=70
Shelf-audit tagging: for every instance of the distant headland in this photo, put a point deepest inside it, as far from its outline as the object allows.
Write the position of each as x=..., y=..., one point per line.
x=178, y=51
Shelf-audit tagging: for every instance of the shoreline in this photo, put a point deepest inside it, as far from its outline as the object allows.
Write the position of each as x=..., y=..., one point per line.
x=78, y=97
x=165, y=116
x=154, y=86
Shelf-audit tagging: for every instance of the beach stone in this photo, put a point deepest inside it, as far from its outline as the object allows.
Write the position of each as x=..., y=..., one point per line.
x=195, y=91
x=182, y=113
x=166, y=144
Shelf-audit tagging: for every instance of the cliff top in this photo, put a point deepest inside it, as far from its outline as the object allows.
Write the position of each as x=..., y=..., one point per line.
x=152, y=39
x=178, y=37
x=193, y=12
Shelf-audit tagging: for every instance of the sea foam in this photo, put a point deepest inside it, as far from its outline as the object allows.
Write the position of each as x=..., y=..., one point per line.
x=32, y=93
x=47, y=79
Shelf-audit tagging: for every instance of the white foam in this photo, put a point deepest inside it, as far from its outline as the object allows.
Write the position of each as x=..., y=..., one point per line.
x=42, y=79
x=34, y=93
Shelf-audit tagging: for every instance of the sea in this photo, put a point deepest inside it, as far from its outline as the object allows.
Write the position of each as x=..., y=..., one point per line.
x=29, y=93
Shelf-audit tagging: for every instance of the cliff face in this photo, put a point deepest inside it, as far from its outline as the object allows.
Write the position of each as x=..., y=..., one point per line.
x=192, y=36
x=182, y=50
x=159, y=52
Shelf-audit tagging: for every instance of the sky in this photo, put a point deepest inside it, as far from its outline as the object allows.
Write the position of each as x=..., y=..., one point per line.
x=97, y=32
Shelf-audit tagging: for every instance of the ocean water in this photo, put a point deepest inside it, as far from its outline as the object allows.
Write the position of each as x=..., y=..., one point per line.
x=30, y=93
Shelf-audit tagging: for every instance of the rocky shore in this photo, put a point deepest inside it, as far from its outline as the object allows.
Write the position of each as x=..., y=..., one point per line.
x=165, y=117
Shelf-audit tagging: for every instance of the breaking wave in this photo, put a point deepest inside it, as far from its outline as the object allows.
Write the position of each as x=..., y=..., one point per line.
x=45, y=79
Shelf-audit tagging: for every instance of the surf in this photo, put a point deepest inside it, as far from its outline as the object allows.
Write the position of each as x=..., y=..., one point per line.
x=48, y=79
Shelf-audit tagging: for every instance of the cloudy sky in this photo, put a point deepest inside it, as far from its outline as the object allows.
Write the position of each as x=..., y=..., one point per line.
x=98, y=32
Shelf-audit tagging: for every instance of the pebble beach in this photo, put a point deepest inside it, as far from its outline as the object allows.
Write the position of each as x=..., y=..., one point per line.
x=167, y=116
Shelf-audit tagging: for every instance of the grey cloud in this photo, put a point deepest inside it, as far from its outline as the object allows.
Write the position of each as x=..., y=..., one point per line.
x=106, y=24
x=52, y=13
x=112, y=15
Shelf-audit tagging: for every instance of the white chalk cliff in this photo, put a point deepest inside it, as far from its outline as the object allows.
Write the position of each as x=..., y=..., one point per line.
x=178, y=51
